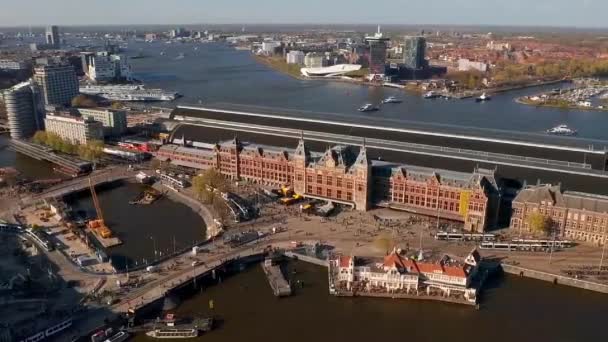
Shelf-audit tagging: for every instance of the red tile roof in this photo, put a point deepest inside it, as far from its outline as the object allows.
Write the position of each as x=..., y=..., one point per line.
x=344, y=261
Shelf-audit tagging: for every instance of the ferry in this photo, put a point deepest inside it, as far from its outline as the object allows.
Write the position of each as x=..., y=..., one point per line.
x=368, y=107
x=483, y=98
x=562, y=130
x=119, y=337
x=391, y=99
x=431, y=95
x=129, y=93
x=173, y=333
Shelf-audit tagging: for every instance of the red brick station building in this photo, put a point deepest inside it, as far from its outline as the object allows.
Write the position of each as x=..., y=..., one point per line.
x=344, y=174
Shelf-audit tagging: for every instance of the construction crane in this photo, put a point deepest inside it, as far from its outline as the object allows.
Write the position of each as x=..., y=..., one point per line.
x=98, y=224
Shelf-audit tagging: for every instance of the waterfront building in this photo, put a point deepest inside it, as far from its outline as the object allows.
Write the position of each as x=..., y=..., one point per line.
x=398, y=274
x=377, y=56
x=24, y=110
x=58, y=82
x=74, y=129
x=12, y=65
x=466, y=65
x=114, y=121
x=105, y=67
x=269, y=47
x=295, y=57
x=570, y=215
x=414, y=52
x=52, y=37
x=343, y=174
x=315, y=60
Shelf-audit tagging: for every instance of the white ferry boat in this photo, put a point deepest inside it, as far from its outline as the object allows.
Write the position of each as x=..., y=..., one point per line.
x=129, y=93
x=368, y=107
x=562, y=130
x=173, y=333
x=391, y=99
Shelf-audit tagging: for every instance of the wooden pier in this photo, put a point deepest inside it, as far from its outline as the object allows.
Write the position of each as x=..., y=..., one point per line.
x=278, y=283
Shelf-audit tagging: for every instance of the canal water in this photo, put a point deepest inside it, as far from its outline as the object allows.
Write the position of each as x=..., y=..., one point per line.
x=163, y=226
x=514, y=309
x=218, y=73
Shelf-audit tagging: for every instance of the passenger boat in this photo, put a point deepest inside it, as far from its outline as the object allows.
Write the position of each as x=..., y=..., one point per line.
x=118, y=337
x=391, y=99
x=368, y=107
x=173, y=333
x=483, y=98
x=562, y=130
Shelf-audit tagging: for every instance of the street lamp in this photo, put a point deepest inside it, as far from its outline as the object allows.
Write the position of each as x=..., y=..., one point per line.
x=154, y=245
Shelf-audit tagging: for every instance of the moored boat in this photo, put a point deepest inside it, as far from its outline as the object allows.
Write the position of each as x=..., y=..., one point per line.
x=484, y=97
x=118, y=337
x=173, y=333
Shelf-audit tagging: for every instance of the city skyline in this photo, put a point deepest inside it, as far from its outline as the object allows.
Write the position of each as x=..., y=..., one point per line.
x=588, y=13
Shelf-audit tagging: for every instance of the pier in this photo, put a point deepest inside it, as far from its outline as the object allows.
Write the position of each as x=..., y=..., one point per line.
x=278, y=283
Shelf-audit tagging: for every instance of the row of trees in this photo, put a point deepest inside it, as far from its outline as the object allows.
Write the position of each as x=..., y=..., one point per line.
x=471, y=79
x=509, y=72
x=91, y=151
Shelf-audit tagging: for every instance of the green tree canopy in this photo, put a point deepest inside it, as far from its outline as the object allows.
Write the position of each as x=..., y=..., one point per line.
x=539, y=222
x=205, y=183
x=84, y=101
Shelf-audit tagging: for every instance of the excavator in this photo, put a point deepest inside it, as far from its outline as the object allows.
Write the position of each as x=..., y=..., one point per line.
x=98, y=224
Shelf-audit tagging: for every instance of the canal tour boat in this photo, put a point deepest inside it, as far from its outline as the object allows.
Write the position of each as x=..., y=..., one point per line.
x=368, y=107
x=483, y=98
x=173, y=333
x=391, y=99
x=562, y=130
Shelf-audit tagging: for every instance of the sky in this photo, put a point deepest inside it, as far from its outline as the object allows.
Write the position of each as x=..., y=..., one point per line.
x=571, y=13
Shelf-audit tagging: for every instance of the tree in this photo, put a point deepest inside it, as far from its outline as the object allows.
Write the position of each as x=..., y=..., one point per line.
x=539, y=222
x=116, y=105
x=209, y=183
x=84, y=101
x=40, y=138
x=384, y=242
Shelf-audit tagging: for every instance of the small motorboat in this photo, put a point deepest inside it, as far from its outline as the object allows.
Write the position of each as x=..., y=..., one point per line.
x=391, y=99
x=368, y=107
x=562, y=130
x=483, y=98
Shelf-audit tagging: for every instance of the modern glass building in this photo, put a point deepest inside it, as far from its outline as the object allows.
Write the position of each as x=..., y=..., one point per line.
x=377, y=55
x=414, y=51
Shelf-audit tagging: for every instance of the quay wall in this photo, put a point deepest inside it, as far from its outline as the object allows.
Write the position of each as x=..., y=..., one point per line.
x=554, y=278
x=195, y=205
x=406, y=296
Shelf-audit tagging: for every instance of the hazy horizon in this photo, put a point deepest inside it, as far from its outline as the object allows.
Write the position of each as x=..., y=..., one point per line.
x=515, y=13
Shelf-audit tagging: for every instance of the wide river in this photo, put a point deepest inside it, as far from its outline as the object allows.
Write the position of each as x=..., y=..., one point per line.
x=218, y=73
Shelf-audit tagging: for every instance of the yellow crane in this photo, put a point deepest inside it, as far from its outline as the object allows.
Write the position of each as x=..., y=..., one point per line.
x=98, y=224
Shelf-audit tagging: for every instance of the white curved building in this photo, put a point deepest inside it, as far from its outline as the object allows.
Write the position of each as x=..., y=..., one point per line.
x=330, y=71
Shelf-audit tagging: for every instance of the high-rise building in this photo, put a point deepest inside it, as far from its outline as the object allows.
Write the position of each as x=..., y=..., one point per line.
x=315, y=60
x=24, y=110
x=58, y=82
x=414, y=51
x=114, y=121
x=52, y=36
x=74, y=129
x=377, y=55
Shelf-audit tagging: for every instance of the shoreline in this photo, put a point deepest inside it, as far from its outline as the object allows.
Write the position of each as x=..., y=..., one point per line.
x=460, y=96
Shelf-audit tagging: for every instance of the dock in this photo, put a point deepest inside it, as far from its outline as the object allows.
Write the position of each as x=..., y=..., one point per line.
x=278, y=283
x=105, y=242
